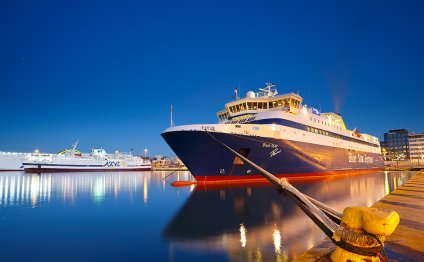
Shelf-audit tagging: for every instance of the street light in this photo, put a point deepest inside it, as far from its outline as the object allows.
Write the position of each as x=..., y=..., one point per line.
x=145, y=152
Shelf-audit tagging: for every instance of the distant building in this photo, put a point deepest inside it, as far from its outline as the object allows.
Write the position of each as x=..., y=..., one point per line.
x=396, y=145
x=384, y=150
x=160, y=161
x=416, y=146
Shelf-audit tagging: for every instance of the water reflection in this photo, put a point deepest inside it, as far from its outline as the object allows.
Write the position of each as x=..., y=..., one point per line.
x=256, y=223
x=17, y=188
x=243, y=240
x=249, y=223
x=276, y=236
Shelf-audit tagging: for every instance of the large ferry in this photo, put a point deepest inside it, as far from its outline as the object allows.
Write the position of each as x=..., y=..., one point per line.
x=278, y=133
x=70, y=160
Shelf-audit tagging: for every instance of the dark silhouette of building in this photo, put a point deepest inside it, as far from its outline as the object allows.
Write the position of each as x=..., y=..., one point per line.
x=395, y=145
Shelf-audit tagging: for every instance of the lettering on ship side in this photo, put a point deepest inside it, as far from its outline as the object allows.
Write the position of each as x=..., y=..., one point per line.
x=270, y=145
x=274, y=152
x=358, y=158
x=208, y=128
x=112, y=164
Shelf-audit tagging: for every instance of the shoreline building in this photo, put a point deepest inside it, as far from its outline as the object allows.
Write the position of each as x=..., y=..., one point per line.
x=395, y=145
x=416, y=146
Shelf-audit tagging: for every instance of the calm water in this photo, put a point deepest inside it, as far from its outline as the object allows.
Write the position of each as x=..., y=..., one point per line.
x=137, y=216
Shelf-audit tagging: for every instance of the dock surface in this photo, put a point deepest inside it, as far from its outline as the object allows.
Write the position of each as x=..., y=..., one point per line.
x=408, y=201
x=407, y=242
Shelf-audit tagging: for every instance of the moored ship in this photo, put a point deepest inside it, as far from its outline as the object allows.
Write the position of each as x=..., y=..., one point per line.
x=276, y=132
x=12, y=161
x=72, y=160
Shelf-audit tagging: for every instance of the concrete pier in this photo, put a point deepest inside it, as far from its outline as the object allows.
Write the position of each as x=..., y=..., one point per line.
x=407, y=242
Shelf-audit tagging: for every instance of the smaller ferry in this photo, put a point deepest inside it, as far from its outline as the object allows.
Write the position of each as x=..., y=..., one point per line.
x=72, y=160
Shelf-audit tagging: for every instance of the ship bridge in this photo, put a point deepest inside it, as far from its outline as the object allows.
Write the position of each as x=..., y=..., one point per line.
x=265, y=100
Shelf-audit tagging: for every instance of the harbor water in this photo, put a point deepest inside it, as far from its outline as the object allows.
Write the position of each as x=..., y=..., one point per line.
x=139, y=216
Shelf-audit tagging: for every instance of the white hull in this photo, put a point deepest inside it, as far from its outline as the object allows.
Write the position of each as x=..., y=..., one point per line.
x=70, y=164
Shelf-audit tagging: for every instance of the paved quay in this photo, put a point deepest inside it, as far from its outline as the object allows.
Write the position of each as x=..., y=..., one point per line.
x=407, y=241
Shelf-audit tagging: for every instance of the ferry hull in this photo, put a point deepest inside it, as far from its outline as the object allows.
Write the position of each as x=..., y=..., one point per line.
x=207, y=159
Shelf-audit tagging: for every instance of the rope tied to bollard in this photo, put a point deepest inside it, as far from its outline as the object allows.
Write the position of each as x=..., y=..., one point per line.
x=318, y=212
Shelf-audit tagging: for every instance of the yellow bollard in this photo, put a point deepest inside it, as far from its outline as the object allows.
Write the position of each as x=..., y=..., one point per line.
x=378, y=222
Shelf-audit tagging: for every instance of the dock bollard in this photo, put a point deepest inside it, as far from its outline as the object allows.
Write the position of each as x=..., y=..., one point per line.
x=359, y=221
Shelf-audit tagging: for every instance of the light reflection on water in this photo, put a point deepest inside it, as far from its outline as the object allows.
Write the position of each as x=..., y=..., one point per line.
x=249, y=223
x=17, y=188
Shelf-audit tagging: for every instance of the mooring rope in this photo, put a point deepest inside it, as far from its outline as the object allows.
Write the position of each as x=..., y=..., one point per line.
x=317, y=211
x=172, y=172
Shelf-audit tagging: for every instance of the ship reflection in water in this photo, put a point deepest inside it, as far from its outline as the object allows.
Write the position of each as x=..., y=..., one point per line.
x=139, y=216
x=258, y=224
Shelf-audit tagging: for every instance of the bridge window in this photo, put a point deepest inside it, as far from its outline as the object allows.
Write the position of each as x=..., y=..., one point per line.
x=242, y=107
x=287, y=102
x=280, y=103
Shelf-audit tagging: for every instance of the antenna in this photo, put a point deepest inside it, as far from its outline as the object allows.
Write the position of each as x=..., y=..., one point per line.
x=236, y=91
x=74, y=146
x=267, y=91
x=171, y=122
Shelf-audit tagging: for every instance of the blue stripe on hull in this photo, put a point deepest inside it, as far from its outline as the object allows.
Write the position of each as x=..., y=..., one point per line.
x=204, y=156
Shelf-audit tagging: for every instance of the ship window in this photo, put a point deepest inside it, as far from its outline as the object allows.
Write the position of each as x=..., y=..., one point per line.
x=265, y=105
x=270, y=104
x=280, y=103
x=249, y=105
x=237, y=108
x=259, y=105
x=255, y=105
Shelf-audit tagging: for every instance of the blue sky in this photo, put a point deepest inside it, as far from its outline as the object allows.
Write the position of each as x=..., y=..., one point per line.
x=106, y=72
